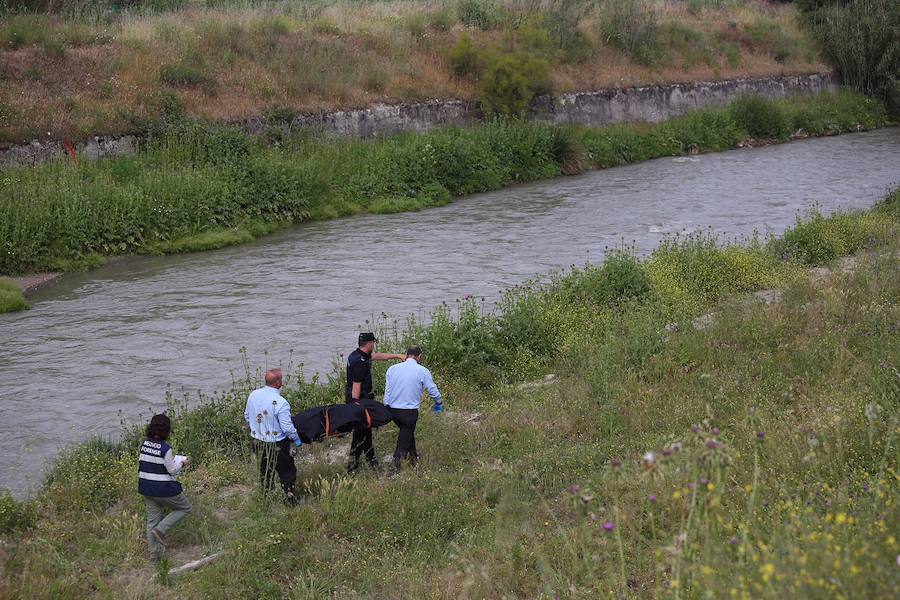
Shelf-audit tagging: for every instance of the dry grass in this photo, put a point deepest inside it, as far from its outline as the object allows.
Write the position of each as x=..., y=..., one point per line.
x=301, y=58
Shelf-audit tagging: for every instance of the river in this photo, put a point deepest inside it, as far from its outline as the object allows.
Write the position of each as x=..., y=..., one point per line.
x=109, y=342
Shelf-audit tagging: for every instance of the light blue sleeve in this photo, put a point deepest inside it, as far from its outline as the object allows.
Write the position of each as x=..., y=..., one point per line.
x=284, y=419
x=388, y=386
x=247, y=413
x=430, y=386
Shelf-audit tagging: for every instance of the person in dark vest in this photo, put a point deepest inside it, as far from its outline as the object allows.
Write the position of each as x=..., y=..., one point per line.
x=359, y=387
x=157, y=468
x=275, y=439
x=403, y=387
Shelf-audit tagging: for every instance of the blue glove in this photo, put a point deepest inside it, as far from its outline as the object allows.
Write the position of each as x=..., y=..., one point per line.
x=298, y=442
x=438, y=409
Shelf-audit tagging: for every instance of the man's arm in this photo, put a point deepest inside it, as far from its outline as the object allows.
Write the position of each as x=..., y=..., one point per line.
x=383, y=356
x=284, y=419
x=387, y=386
x=430, y=387
x=355, y=390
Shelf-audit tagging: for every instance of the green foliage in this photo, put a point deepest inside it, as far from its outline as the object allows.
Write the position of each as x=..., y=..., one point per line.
x=185, y=75
x=817, y=239
x=23, y=30
x=631, y=26
x=861, y=40
x=511, y=82
x=483, y=14
x=761, y=117
x=562, y=19
x=11, y=298
x=90, y=476
x=15, y=515
x=465, y=59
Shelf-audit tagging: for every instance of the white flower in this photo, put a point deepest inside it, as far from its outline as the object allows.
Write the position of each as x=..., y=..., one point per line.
x=649, y=460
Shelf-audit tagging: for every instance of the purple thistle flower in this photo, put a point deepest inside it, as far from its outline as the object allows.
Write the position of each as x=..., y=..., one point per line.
x=608, y=526
x=704, y=481
x=652, y=498
x=716, y=431
x=615, y=463
x=760, y=435
x=574, y=489
x=695, y=428
x=733, y=541
x=712, y=444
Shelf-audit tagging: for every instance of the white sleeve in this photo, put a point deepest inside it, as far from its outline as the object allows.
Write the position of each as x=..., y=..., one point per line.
x=169, y=460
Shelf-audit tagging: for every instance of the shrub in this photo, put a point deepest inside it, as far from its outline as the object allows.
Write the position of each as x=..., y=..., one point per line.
x=861, y=40
x=465, y=60
x=90, y=476
x=631, y=25
x=562, y=19
x=181, y=75
x=15, y=515
x=760, y=117
x=11, y=298
x=23, y=30
x=483, y=14
x=511, y=81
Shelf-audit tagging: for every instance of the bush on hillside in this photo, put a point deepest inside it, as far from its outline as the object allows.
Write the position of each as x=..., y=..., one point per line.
x=760, y=117
x=511, y=82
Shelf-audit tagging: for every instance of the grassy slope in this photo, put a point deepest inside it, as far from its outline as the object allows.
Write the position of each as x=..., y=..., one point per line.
x=97, y=73
x=774, y=432
x=198, y=188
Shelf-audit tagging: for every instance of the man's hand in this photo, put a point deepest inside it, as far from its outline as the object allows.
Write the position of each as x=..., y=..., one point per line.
x=297, y=443
x=438, y=408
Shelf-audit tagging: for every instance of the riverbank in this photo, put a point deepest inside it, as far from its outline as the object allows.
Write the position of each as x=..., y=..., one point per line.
x=768, y=472
x=198, y=188
x=104, y=68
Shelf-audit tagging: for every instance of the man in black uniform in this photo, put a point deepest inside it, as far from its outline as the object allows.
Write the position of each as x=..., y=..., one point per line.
x=359, y=387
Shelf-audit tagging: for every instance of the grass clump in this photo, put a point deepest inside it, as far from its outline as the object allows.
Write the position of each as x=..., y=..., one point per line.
x=761, y=118
x=11, y=297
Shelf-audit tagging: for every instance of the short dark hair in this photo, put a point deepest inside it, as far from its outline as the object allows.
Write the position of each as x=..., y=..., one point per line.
x=159, y=428
x=414, y=351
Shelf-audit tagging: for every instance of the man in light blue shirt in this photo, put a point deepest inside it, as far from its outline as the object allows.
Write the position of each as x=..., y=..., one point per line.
x=275, y=439
x=403, y=389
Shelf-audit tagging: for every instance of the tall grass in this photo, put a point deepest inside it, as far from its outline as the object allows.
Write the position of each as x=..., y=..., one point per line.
x=861, y=40
x=198, y=187
x=756, y=456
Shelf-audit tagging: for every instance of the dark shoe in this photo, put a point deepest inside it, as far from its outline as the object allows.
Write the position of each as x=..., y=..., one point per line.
x=290, y=499
x=395, y=465
x=375, y=466
x=353, y=467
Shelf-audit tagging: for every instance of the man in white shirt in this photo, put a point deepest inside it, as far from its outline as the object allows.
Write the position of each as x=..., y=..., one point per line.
x=404, y=384
x=275, y=438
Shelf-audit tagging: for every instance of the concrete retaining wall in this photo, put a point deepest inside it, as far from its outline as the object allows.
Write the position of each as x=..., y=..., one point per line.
x=649, y=104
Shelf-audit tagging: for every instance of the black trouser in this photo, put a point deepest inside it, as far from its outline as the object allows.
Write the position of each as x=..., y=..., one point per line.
x=406, y=419
x=361, y=443
x=275, y=458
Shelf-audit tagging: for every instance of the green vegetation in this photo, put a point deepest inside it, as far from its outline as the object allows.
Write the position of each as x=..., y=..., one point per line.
x=198, y=187
x=73, y=69
x=862, y=40
x=11, y=298
x=757, y=455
